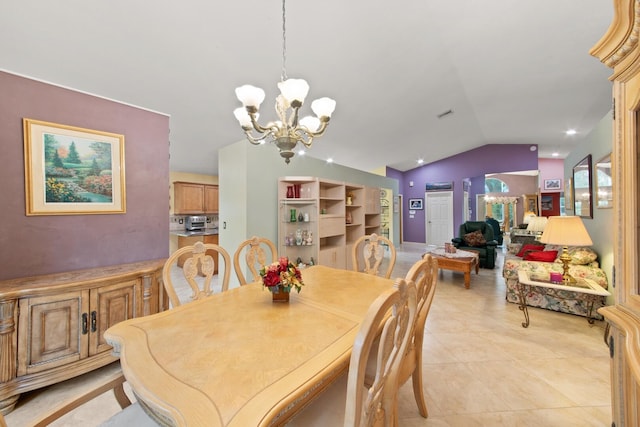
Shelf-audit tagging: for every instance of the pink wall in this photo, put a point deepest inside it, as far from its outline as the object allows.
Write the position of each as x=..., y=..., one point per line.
x=551, y=169
x=47, y=244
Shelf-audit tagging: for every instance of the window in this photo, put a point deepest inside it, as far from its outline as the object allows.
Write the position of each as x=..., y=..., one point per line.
x=495, y=185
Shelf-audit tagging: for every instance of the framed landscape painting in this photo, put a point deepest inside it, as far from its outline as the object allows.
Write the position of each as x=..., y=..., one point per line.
x=72, y=171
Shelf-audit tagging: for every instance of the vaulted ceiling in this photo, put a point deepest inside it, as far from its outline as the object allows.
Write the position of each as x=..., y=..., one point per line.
x=510, y=71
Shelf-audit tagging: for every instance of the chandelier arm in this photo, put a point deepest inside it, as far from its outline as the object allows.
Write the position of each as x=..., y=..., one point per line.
x=258, y=127
x=319, y=132
x=259, y=140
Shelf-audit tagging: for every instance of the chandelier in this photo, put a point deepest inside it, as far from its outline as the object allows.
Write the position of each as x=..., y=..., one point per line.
x=289, y=130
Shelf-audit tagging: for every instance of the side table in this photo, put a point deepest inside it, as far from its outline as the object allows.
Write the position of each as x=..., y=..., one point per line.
x=460, y=260
x=586, y=290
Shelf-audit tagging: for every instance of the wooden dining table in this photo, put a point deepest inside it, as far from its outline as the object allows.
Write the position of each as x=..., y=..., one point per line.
x=238, y=359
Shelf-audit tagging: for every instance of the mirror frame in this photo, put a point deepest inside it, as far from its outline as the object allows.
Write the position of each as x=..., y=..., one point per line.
x=604, y=200
x=583, y=196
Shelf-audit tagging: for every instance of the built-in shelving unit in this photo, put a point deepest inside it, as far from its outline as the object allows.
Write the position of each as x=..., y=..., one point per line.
x=319, y=219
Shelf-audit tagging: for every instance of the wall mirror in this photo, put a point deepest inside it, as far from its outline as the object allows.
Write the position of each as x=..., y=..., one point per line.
x=604, y=183
x=582, y=191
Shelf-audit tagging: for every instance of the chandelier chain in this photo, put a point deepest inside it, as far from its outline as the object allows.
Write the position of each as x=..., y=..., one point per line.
x=283, y=76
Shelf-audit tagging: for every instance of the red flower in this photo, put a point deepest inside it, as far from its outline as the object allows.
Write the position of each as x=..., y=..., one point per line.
x=282, y=273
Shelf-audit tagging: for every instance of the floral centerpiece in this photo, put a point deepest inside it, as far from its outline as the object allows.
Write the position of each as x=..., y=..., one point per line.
x=281, y=276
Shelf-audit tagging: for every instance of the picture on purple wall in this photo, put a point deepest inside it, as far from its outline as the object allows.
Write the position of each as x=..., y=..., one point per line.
x=72, y=171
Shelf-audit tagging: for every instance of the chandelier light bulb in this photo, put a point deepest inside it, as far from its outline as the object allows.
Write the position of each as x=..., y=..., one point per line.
x=311, y=123
x=323, y=107
x=250, y=96
x=294, y=90
x=243, y=117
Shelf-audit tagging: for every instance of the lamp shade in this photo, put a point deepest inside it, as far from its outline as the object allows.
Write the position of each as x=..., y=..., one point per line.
x=294, y=90
x=537, y=224
x=250, y=96
x=323, y=107
x=566, y=231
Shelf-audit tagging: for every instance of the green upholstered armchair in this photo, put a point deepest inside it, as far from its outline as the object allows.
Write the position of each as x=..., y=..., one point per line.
x=486, y=250
x=497, y=231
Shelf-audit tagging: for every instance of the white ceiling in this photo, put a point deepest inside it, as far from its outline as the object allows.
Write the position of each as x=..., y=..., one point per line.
x=512, y=71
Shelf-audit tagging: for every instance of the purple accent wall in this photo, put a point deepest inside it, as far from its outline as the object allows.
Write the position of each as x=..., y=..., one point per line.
x=491, y=158
x=37, y=245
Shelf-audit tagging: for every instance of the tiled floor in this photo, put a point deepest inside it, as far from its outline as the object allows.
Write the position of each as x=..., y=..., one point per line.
x=481, y=367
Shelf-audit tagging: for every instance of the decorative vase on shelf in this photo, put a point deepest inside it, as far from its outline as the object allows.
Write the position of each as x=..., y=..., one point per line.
x=279, y=295
x=349, y=201
x=290, y=192
x=300, y=217
x=293, y=215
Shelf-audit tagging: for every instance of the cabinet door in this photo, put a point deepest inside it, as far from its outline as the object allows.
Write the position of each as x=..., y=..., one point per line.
x=110, y=305
x=189, y=198
x=211, y=199
x=52, y=331
x=333, y=257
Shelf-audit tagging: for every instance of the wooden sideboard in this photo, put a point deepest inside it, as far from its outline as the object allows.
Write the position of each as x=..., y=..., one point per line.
x=52, y=326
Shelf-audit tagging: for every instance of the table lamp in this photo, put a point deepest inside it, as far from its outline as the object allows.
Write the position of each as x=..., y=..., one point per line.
x=536, y=225
x=566, y=231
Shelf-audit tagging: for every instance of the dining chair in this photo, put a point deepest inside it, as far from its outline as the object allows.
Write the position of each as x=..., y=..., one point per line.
x=424, y=273
x=368, y=252
x=199, y=262
x=108, y=378
x=348, y=401
x=258, y=252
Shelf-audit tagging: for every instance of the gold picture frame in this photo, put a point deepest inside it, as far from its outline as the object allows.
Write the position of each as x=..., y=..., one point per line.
x=72, y=171
x=604, y=183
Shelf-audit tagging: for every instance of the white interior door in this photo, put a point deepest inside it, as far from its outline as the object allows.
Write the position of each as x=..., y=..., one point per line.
x=438, y=217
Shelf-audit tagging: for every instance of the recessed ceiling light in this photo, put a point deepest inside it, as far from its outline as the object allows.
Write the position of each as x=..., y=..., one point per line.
x=420, y=161
x=571, y=132
x=329, y=160
x=555, y=154
x=301, y=152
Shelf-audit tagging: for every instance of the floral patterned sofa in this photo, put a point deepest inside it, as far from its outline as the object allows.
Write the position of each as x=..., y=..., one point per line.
x=584, y=264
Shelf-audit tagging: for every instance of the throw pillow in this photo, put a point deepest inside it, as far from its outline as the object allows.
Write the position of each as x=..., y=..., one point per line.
x=514, y=248
x=582, y=256
x=474, y=239
x=544, y=256
x=529, y=247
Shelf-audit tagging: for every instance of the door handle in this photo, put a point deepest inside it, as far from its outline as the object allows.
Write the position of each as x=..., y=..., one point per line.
x=93, y=321
x=85, y=321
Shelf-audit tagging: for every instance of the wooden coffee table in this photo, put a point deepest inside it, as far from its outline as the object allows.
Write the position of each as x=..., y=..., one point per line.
x=462, y=261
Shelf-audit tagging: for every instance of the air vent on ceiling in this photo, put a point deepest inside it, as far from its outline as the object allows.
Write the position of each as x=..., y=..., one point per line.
x=446, y=113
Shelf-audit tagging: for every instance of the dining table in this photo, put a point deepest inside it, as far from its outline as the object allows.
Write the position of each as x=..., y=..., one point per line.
x=238, y=359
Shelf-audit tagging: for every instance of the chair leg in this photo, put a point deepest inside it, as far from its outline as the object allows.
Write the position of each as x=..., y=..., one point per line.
x=417, y=389
x=121, y=396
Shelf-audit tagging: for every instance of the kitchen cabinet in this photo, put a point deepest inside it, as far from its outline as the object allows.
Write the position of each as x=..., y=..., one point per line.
x=210, y=198
x=53, y=325
x=192, y=198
